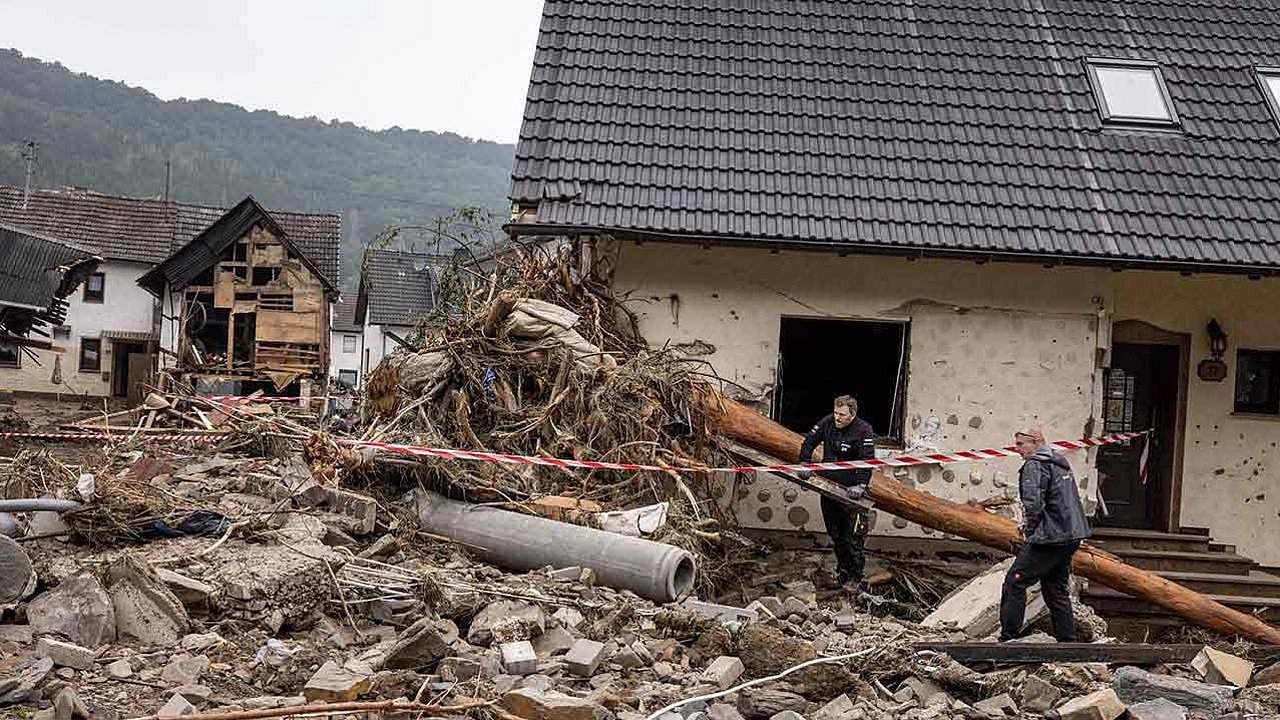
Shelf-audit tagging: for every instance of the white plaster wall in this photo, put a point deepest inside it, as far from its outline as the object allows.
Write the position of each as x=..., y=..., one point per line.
x=377, y=345
x=992, y=347
x=339, y=359
x=126, y=306
x=1231, y=463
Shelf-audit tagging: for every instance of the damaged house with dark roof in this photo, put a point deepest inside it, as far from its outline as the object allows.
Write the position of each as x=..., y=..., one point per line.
x=974, y=217
x=37, y=276
x=112, y=332
x=397, y=292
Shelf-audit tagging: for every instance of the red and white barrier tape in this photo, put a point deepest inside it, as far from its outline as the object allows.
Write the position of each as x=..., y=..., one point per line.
x=119, y=437
x=272, y=398
x=897, y=461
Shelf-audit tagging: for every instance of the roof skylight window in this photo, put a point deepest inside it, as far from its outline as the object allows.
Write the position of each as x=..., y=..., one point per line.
x=1269, y=80
x=1131, y=92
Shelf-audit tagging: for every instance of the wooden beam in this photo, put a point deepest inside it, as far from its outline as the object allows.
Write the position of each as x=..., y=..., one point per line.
x=1035, y=653
x=739, y=422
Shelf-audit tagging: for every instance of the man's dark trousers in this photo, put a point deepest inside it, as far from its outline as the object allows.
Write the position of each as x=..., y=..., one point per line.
x=1049, y=565
x=847, y=527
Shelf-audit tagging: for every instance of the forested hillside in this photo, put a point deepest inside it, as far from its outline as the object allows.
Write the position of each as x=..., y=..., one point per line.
x=113, y=138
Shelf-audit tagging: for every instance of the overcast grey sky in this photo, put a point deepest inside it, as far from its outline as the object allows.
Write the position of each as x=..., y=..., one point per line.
x=444, y=65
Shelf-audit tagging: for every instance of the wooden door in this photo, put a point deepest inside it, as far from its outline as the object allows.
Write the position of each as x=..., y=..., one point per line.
x=1140, y=392
x=140, y=364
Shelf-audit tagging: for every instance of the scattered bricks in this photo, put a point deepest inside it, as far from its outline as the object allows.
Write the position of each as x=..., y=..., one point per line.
x=195, y=596
x=120, y=670
x=1038, y=695
x=184, y=670
x=1101, y=705
x=65, y=654
x=723, y=613
x=519, y=658
x=723, y=672
x=548, y=705
x=1134, y=685
x=1158, y=709
x=20, y=634
x=334, y=683
x=177, y=706
x=555, y=641
x=569, y=617
x=145, y=608
x=421, y=645
x=1222, y=668
x=79, y=609
x=999, y=706
x=584, y=657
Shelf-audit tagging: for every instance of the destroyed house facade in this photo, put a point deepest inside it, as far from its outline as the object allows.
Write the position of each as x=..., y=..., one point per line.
x=247, y=308
x=397, y=291
x=111, y=334
x=972, y=216
x=37, y=275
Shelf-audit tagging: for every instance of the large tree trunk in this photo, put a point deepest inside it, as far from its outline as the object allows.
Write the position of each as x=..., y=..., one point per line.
x=749, y=428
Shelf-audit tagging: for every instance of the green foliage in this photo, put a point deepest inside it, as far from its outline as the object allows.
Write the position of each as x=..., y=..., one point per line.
x=113, y=138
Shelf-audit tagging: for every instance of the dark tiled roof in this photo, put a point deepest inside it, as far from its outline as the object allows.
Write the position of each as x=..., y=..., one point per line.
x=397, y=288
x=344, y=316
x=148, y=230
x=952, y=125
x=204, y=250
x=36, y=272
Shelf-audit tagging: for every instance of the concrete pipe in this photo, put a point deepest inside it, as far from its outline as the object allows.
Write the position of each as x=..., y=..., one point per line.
x=653, y=570
x=39, y=504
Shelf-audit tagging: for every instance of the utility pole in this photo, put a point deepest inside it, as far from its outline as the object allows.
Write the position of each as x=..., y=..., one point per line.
x=166, y=180
x=28, y=154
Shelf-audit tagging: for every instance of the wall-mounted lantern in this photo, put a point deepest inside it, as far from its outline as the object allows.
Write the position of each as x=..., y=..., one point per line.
x=1213, y=369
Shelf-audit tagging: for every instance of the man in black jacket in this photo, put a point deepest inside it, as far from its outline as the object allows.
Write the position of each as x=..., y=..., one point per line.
x=844, y=436
x=1053, y=525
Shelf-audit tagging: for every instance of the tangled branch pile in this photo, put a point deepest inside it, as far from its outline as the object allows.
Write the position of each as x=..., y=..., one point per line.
x=539, y=360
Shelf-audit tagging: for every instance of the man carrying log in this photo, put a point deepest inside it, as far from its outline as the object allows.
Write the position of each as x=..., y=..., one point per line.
x=1053, y=525
x=844, y=436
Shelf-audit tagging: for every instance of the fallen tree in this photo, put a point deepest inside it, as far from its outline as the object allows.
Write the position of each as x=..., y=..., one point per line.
x=744, y=425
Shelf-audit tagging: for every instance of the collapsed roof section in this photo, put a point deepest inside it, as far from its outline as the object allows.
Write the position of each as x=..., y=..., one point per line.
x=37, y=274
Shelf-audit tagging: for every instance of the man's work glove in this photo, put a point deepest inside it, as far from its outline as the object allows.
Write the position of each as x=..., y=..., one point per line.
x=856, y=491
x=804, y=474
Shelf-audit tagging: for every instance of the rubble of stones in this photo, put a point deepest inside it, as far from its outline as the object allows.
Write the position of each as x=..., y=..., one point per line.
x=335, y=596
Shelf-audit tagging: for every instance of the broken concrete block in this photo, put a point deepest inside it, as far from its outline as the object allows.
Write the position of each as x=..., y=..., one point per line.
x=549, y=705
x=145, y=608
x=974, y=607
x=999, y=706
x=334, y=683
x=361, y=509
x=519, y=658
x=803, y=590
x=1101, y=705
x=67, y=704
x=65, y=654
x=555, y=641
x=723, y=672
x=723, y=711
x=20, y=634
x=79, y=609
x=177, y=706
x=1222, y=668
x=1039, y=695
x=1269, y=675
x=723, y=613
x=198, y=643
x=119, y=669
x=184, y=670
x=273, y=702
x=195, y=693
x=1158, y=709
x=25, y=686
x=569, y=617
x=785, y=715
x=421, y=645
x=773, y=604
x=627, y=658
x=584, y=657
x=1134, y=685
x=837, y=709
x=195, y=596
x=458, y=669
x=510, y=614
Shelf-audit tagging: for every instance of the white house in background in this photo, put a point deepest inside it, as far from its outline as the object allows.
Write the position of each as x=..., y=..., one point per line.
x=111, y=331
x=345, y=338
x=397, y=289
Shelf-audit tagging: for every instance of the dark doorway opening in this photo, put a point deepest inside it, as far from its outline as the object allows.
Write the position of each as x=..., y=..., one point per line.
x=131, y=364
x=820, y=358
x=1141, y=392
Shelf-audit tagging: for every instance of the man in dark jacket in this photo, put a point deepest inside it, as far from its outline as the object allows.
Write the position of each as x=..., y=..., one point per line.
x=1053, y=525
x=844, y=436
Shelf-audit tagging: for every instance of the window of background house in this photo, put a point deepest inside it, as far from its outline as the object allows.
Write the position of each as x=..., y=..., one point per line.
x=348, y=343
x=1269, y=81
x=90, y=354
x=1131, y=91
x=10, y=355
x=1258, y=381
x=95, y=288
x=62, y=332
x=348, y=378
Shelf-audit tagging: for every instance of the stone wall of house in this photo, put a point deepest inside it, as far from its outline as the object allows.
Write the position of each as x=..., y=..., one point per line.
x=992, y=347
x=125, y=307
